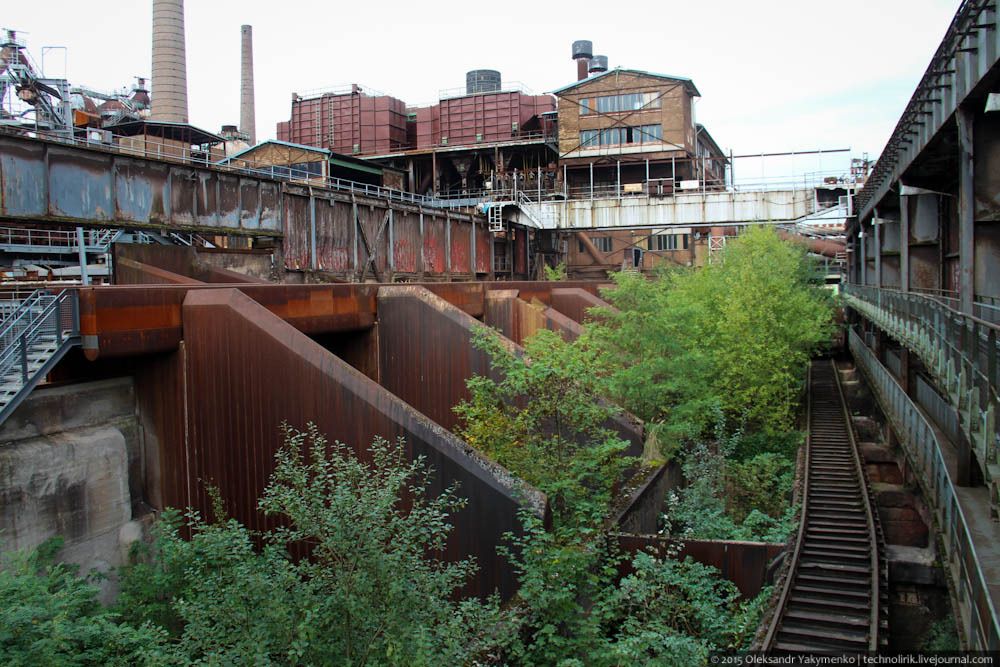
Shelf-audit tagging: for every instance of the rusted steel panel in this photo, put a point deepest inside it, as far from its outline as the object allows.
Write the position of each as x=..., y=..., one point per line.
x=228, y=205
x=521, y=252
x=145, y=319
x=529, y=290
x=206, y=198
x=250, y=203
x=183, y=191
x=519, y=320
x=484, y=249
x=159, y=387
x=141, y=191
x=574, y=303
x=461, y=247
x=435, y=245
x=137, y=273
x=407, y=243
x=426, y=357
x=341, y=239
x=466, y=296
x=23, y=179
x=374, y=222
x=80, y=185
x=743, y=563
x=241, y=385
x=296, y=232
x=425, y=354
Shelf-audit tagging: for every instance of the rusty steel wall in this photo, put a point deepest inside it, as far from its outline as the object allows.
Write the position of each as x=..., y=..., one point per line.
x=43, y=181
x=130, y=258
x=133, y=320
x=246, y=372
x=137, y=273
x=518, y=320
x=574, y=303
x=410, y=242
x=426, y=356
x=743, y=563
x=127, y=320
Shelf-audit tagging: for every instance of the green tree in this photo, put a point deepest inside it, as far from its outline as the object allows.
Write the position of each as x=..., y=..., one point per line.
x=542, y=420
x=737, y=333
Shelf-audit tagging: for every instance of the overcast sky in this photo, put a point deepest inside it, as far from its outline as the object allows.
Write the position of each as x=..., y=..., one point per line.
x=776, y=75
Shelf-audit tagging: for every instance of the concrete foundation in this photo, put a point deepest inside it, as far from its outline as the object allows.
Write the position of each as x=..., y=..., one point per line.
x=67, y=456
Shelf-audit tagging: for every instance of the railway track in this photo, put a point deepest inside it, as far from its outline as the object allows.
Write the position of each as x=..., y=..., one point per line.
x=833, y=598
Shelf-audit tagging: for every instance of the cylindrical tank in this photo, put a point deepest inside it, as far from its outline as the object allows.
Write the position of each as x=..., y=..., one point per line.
x=482, y=81
x=169, y=85
x=599, y=64
x=583, y=48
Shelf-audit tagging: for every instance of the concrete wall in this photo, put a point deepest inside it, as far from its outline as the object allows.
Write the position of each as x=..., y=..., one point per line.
x=71, y=465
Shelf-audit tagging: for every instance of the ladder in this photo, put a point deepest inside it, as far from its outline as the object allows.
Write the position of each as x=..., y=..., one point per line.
x=34, y=336
x=494, y=215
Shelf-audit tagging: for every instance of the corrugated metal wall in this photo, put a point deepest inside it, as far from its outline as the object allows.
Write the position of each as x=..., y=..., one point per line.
x=247, y=371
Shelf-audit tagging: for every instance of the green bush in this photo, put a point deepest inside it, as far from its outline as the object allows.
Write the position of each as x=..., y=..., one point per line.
x=371, y=591
x=49, y=615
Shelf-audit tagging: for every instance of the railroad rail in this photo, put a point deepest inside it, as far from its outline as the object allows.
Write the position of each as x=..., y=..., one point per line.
x=833, y=596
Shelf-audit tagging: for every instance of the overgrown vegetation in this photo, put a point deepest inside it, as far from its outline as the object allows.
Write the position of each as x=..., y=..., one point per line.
x=711, y=359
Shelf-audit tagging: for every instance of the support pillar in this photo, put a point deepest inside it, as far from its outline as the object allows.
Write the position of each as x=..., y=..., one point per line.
x=966, y=211
x=904, y=243
x=863, y=237
x=82, y=251
x=877, y=249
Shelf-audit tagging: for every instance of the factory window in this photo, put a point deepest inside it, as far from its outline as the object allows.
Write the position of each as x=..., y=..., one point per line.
x=603, y=243
x=618, y=103
x=647, y=134
x=667, y=242
x=617, y=136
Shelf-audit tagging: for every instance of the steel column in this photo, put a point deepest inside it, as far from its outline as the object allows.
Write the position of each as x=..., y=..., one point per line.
x=82, y=252
x=966, y=211
x=312, y=231
x=904, y=243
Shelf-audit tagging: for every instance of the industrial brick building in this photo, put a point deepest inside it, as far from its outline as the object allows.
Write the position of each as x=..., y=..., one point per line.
x=623, y=128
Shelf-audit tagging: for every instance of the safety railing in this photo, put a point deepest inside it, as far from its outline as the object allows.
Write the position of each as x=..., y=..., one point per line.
x=959, y=351
x=923, y=450
x=49, y=240
x=32, y=340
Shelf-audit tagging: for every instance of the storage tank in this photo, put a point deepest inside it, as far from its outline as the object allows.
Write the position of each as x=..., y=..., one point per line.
x=598, y=64
x=482, y=81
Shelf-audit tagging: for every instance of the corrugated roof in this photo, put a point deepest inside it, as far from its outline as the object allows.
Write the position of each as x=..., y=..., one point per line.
x=619, y=70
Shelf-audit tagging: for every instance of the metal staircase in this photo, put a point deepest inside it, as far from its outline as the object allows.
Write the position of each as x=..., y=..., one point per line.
x=34, y=336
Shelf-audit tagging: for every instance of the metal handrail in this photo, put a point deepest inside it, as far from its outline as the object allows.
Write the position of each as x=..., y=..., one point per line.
x=961, y=352
x=923, y=450
x=64, y=325
x=24, y=310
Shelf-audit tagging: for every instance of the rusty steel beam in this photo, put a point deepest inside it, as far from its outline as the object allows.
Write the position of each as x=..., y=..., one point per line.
x=142, y=319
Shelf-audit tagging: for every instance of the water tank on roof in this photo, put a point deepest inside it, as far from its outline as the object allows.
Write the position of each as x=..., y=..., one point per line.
x=598, y=64
x=583, y=48
x=482, y=81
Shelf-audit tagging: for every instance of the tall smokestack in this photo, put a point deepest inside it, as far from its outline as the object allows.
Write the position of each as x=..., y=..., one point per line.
x=247, y=121
x=169, y=85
